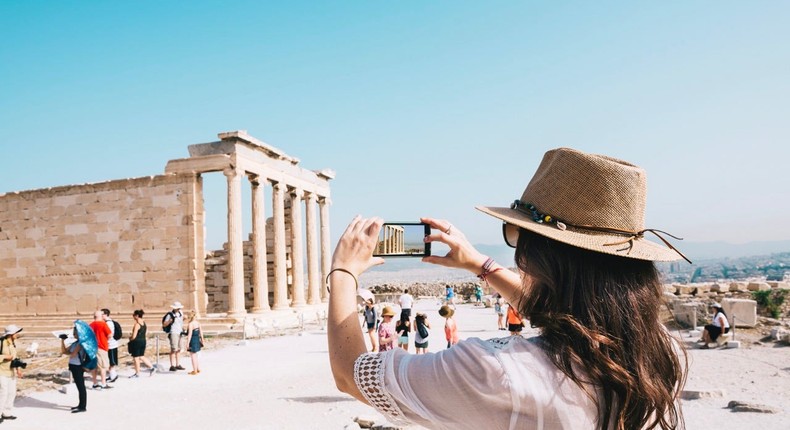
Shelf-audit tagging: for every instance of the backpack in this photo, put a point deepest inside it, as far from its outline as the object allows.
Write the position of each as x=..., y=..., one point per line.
x=422, y=330
x=87, y=362
x=166, y=328
x=117, y=332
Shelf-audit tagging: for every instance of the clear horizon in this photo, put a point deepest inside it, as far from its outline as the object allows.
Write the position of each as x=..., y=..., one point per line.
x=421, y=109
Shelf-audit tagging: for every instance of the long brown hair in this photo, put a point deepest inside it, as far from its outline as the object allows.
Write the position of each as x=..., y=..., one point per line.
x=599, y=318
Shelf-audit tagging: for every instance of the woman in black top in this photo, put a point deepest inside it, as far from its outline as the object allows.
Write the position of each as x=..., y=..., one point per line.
x=137, y=343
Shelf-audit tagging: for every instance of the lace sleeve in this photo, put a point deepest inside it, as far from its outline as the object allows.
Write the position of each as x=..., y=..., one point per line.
x=369, y=377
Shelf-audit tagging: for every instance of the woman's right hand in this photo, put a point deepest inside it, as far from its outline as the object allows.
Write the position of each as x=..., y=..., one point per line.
x=462, y=254
x=354, y=251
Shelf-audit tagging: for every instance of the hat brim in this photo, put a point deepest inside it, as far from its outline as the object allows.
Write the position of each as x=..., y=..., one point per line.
x=642, y=248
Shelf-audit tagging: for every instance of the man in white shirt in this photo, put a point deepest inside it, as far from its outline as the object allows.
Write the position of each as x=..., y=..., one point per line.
x=406, y=301
x=112, y=352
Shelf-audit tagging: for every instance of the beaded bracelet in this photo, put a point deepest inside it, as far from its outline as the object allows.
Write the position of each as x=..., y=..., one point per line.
x=356, y=283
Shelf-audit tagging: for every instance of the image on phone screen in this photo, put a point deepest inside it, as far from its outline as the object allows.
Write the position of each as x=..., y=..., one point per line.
x=403, y=239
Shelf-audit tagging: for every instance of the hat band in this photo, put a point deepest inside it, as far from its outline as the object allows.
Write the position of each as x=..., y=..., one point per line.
x=540, y=218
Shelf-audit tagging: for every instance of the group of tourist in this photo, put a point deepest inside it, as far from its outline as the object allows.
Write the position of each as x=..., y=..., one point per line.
x=104, y=337
x=386, y=333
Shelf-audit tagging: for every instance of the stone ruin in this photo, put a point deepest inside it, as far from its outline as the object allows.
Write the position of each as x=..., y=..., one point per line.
x=689, y=302
x=140, y=243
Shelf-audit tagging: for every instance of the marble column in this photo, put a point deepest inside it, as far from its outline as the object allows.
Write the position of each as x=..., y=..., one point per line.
x=326, y=256
x=313, y=281
x=260, y=275
x=297, y=266
x=280, y=269
x=235, y=247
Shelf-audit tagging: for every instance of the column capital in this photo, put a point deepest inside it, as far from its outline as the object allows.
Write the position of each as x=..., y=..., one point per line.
x=309, y=195
x=296, y=192
x=230, y=172
x=254, y=179
x=324, y=200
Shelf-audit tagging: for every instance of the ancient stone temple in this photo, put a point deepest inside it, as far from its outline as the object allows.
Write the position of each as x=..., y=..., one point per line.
x=139, y=243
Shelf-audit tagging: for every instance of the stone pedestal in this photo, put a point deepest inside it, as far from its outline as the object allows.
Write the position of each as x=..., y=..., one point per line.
x=741, y=312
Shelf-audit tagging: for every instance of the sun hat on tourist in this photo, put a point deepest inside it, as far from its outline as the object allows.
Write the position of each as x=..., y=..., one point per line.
x=446, y=311
x=177, y=305
x=589, y=201
x=387, y=312
x=12, y=329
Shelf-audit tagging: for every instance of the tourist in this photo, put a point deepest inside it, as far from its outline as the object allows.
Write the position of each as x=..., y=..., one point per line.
x=10, y=370
x=371, y=322
x=450, y=327
x=478, y=295
x=449, y=295
x=587, y=280
x=112, y=347
x=406, y=302
x=720, y=325
x=421, y=333
x=515, y=323
x=402, y=329
x=74, y=350
x=195, y=341
x=103, y=336
x=173, y=324
x=500, y=311
x=137, y=344
x=386, y=330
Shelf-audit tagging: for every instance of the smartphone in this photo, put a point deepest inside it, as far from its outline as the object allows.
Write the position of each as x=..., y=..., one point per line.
x=403, y=239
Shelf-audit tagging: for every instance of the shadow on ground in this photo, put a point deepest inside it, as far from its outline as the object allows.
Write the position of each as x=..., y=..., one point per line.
x=29, y=402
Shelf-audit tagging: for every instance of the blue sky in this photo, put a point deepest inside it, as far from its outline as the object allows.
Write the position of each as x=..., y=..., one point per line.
x=422, y=108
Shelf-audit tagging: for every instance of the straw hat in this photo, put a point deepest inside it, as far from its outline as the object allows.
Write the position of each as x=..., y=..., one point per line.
x=589, y=201
x=12, y=329
x=446, y=311
x=387, y=311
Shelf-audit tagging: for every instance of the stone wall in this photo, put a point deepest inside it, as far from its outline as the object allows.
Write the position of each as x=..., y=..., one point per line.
x=122, y=244
x=217, y=269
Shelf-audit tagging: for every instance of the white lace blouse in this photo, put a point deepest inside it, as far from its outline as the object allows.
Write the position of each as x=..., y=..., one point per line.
x=506, y=383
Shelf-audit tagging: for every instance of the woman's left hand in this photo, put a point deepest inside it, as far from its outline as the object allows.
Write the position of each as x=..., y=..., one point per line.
x=354, y=251
x=462, y=254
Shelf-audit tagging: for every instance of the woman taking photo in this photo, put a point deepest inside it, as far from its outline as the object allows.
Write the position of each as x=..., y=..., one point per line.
x=586, y=279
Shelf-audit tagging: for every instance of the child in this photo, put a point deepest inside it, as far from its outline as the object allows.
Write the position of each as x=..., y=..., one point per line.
x=421, y=334
x=450, y=329
x=514, y=321
x=500, y=312
x=371, y=322
x=386, y=330
x=402, y=328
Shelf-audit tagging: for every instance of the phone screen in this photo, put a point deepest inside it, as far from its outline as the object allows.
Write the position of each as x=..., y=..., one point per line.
x=403, y=239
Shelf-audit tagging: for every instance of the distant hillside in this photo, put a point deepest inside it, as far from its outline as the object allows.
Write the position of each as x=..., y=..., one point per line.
x=693, y=250
x=711, y=250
